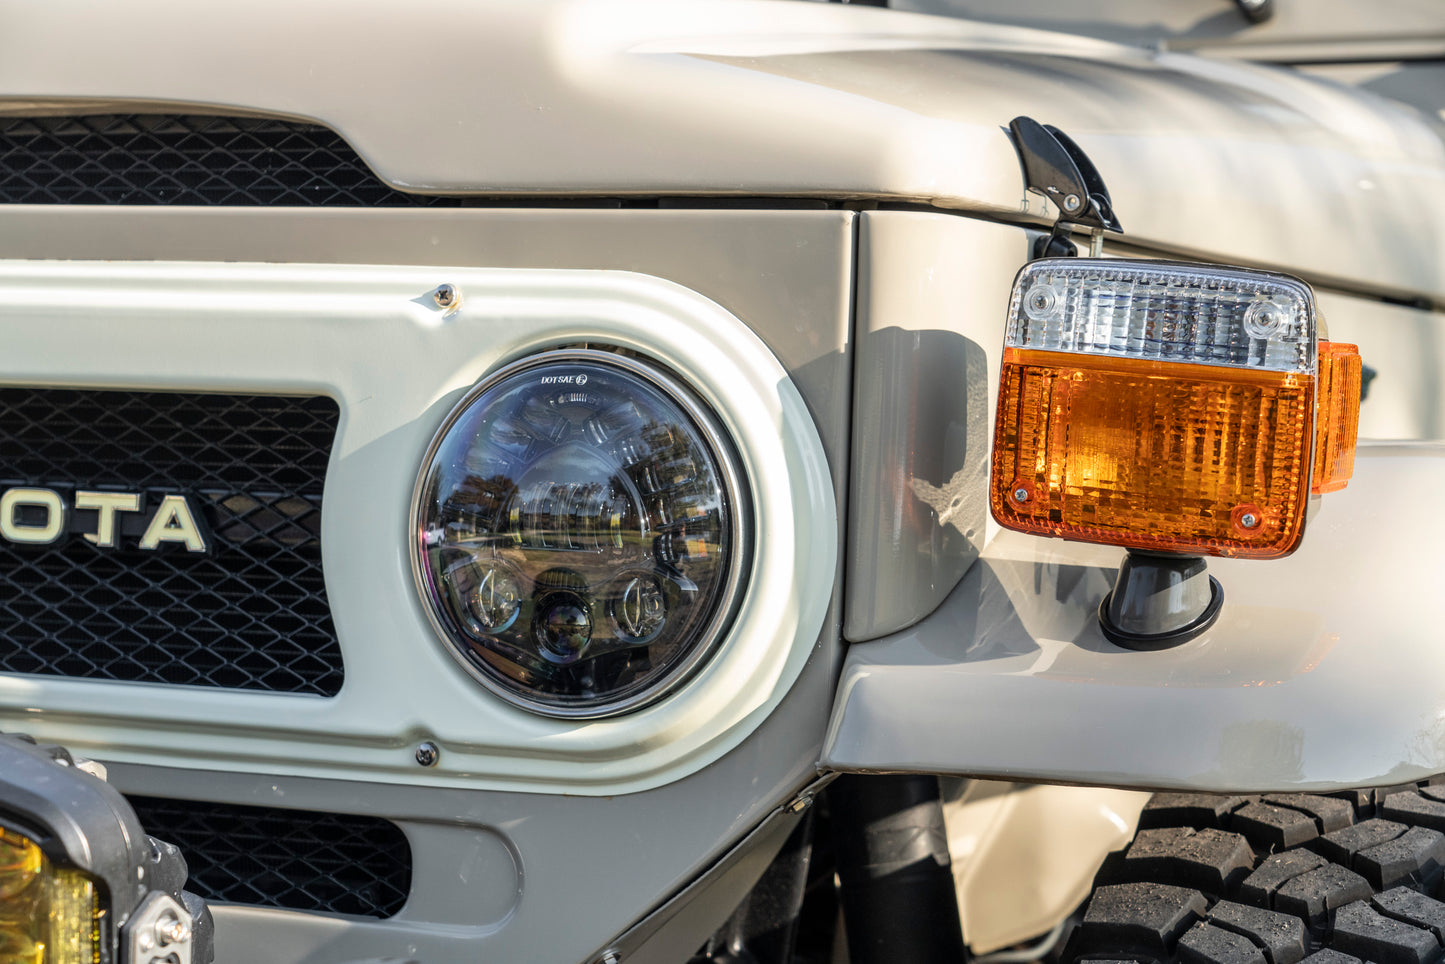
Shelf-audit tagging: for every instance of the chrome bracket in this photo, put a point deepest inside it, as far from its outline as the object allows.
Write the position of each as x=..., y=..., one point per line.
x=160, y=932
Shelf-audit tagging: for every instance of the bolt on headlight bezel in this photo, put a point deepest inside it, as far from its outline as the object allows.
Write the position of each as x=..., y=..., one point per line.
x=706, y=638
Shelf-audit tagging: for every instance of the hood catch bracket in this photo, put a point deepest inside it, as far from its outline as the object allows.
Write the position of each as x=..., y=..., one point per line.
x=1058, y=169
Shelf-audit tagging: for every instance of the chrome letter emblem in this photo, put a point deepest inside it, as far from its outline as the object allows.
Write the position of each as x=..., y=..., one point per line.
x=173, y=522
x=107, y=504
x=39, y=517
x=16, y=531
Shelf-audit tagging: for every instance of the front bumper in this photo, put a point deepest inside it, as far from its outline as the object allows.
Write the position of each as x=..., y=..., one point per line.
x=1323, y=671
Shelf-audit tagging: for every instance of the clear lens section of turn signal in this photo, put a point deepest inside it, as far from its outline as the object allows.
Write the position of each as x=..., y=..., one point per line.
x=1163, y=312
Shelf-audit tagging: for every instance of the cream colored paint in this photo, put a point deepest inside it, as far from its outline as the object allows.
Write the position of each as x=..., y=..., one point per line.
x=373, y=338
x=1419, y=83
x=1025, y=856
x=1348, y=29
x=767, y=99
x=1322, y=672
x=933, y=291
x=1406, y=348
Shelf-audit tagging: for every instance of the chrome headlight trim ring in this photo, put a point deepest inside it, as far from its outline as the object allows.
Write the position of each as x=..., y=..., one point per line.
x=740, y=516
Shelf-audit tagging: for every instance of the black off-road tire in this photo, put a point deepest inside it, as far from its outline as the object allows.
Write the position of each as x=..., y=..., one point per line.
x=1274, y=879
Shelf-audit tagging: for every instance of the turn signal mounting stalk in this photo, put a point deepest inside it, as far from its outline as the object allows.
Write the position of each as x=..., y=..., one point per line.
x=1176, y=410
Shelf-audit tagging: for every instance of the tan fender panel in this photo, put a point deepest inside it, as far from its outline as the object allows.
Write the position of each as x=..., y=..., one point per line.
x=1323, y=671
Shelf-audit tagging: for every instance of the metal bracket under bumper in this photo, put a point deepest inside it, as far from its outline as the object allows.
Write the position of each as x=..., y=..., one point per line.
x=1325, y=670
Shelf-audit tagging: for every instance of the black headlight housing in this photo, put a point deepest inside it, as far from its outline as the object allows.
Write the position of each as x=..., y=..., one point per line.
x=580, y=532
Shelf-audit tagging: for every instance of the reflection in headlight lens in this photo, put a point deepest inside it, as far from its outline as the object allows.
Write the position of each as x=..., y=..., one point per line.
x=580, y=532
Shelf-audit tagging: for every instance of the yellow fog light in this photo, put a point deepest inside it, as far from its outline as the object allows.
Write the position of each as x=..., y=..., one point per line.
x=48, y=914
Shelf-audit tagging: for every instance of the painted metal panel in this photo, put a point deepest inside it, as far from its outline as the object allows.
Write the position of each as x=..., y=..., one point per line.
x=1406, y=349
x=746, y=98
x=784, y=273
x=1419, y=83
x=374, y=338
x=519, y=876
x=491, y=867
x=1322, y=672
x=932, y=295
x=1024, y=856
x=1322, y=29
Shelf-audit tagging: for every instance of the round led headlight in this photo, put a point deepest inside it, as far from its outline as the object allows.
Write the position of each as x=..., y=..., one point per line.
x=580, y=533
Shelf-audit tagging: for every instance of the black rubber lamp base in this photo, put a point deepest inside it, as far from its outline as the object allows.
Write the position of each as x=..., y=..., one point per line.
x=1160, y=600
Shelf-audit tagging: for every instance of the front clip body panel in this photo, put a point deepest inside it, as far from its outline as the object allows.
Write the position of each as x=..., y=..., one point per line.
x=494, y=850
x=1323, y=671
x=373, y=338
x=579, y=98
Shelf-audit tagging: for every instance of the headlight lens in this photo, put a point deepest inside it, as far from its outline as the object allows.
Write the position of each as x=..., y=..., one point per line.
x=48, y=914
x=580, y=532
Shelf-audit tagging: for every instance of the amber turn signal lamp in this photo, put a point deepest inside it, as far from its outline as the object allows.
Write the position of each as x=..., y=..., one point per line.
x=1168, y=407
x=1338, y=421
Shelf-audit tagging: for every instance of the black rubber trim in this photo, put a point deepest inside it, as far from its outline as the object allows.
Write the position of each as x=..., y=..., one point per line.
x=1149, y=641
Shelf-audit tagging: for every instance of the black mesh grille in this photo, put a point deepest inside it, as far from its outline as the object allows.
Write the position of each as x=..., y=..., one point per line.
x=251, y=614
x=182, y=159
x=295, y=859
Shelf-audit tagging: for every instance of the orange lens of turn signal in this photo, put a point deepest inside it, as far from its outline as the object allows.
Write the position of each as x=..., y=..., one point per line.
x=1152, y=455
x=1338, y=424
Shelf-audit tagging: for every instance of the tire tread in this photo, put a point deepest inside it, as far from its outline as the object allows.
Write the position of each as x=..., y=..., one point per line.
x=1349, y=877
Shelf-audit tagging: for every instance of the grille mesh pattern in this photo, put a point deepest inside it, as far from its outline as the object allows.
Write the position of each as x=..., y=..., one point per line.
x=252, y=614
x=295, y=859
x=182, y=159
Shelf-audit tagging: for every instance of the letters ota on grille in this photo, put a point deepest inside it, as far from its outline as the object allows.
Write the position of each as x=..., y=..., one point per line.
x=250, y=614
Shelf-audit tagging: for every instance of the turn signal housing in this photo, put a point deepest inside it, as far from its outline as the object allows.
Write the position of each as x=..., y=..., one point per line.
x=1168, y=407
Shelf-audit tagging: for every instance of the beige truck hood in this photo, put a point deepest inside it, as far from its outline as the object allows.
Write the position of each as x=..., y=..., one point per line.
x=764, y=98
